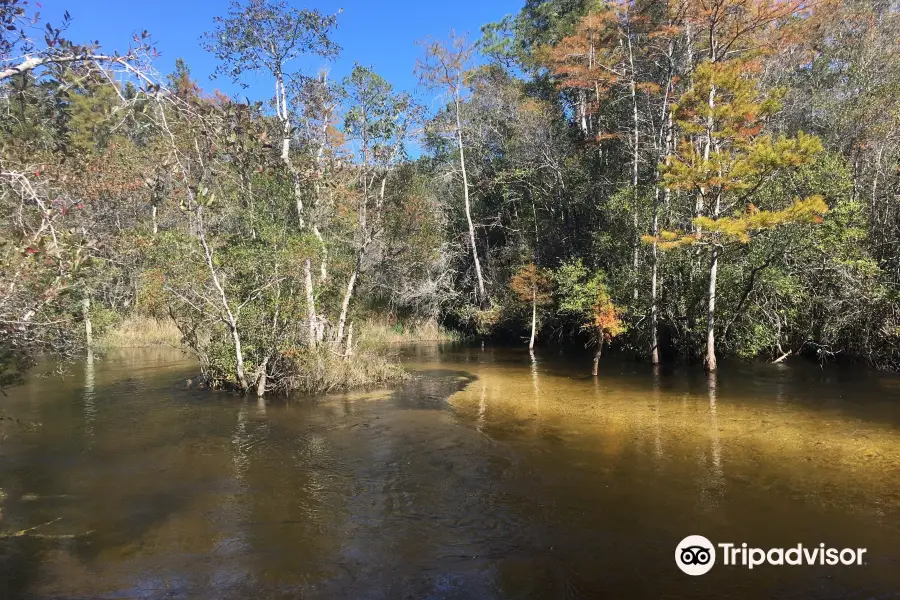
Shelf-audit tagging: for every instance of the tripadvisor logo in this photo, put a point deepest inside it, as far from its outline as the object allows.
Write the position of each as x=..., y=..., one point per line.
x=696, y=555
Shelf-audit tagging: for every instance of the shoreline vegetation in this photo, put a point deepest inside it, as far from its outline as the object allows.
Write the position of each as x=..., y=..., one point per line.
x=136, y=331
x=677, y=181
x=373, y=361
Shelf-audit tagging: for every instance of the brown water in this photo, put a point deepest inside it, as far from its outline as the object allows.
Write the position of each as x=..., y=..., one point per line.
x=491, y=474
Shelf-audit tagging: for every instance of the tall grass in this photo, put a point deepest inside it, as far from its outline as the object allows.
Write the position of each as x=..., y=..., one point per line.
x=386, y=330
x=136, y=331
x=320, y=370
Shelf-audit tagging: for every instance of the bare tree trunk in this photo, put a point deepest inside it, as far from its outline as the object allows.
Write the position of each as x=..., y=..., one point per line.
x=714, y=258
x=597, y=356
x=310, y=303
x=323, y=264
x=711, y=313
x=348, y=294
x=153, y=216
x=287, y=132
x=634, y=162
x=348, y=348
x=654, y=273
x=533, y=318
x=239, y=358
x=230, y=319
x=261, y=379
x=582, y=110
x=482, y=296
x=88, y=329
x=654, y=276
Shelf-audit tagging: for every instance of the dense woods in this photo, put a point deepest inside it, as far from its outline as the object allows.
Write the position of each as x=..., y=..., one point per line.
x=680, y=180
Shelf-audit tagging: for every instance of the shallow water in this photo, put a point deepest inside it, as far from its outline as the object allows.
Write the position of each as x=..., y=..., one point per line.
x=491, y=474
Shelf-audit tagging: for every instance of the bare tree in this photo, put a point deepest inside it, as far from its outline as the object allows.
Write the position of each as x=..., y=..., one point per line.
x=444, y=67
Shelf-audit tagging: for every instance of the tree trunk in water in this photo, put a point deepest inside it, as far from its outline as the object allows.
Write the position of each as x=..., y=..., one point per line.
x=261, y=379
x=310, y=303
x=88, y=329
x=339, y=337
x=654, y=273
x=238, y=359
x=230, y=318
x=482, y=296
x=597, y=356
x=533, y=319
x=711, y=315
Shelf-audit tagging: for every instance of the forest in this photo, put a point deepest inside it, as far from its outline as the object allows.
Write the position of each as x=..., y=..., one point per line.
x=675, y=180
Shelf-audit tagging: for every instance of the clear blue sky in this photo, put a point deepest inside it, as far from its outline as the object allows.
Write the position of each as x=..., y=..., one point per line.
x=378, y=33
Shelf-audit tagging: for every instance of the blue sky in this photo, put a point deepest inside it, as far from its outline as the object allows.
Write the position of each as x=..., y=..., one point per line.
x=378, y=33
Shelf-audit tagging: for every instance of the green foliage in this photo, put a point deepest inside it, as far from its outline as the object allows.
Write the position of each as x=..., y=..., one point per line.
x=584, y=296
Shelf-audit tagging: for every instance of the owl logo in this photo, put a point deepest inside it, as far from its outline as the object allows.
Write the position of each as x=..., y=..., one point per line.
x=695, y=555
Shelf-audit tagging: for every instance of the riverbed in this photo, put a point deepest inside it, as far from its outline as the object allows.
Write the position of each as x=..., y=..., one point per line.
x=491, y=473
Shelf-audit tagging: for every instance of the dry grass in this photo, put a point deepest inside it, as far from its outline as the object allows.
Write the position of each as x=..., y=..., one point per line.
x=319, y=371
x=385, y=331
x=137, y=331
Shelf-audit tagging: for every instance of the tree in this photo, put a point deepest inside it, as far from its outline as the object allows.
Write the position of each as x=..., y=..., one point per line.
x=444, y=66
x=60, y=100
x=379, y=122
x=265, y=35
x=606, y=323
x=531, y=285
x=725, y=161
x=585, y=297
x=25, y=46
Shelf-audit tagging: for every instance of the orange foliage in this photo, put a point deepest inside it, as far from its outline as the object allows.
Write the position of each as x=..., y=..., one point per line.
x=530, y=284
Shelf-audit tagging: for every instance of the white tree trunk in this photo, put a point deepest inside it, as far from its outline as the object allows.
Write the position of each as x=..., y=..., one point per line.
x=654, y=274
x=230, y=319
x=323, y=264
x=261, y=379
x=88, y=329
x=533, y=319
x=597, y=354
x=345, y=305
x=310, y=304
x=482, y=296
x=287, y=128
x=634, y=161
x=348, y=348
x=711, y=314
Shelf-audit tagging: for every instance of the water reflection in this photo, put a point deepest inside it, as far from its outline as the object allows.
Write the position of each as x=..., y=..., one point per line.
x=713, y=487
x=657, y=407
x=482, y=406
x=88, y=395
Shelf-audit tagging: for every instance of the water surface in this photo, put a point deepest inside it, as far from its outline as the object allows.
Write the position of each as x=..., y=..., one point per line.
x=493, y=473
